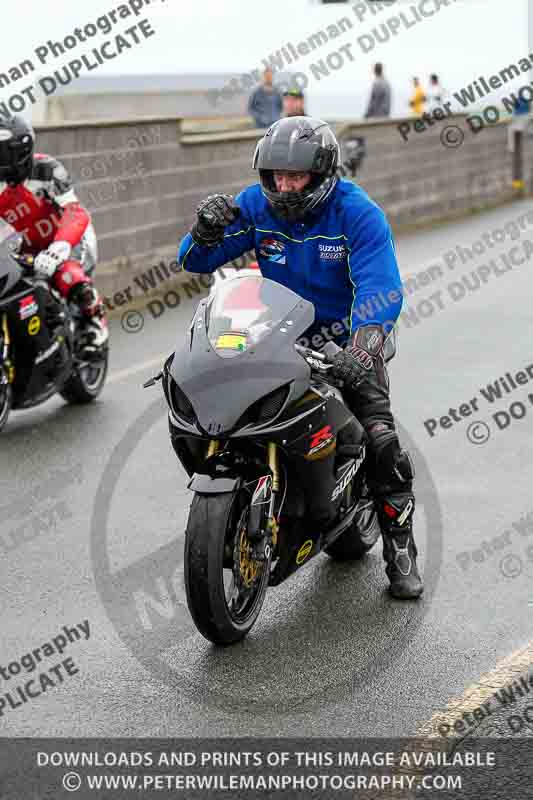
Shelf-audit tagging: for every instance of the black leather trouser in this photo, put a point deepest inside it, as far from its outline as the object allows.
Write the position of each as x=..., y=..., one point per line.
x=370, y=403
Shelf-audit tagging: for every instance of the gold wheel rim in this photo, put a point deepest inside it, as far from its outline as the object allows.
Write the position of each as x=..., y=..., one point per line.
x=247, y=566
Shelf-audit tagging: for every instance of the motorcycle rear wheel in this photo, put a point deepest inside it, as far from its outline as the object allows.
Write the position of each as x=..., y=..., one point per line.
x=86, y=382
x=225, y=588
x=359, y=537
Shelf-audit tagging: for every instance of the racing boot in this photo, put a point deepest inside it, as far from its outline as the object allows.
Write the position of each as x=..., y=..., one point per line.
x=395, y=504
x=94, y=333
x=395, y=512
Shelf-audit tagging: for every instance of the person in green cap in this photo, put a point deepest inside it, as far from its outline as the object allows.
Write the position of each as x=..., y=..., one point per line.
x=293, y=103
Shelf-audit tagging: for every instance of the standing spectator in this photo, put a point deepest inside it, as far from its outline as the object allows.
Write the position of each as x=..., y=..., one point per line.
x=418, y=99
x=435, y=93
x=380, y=96
x=293, y=103
x=265, y=103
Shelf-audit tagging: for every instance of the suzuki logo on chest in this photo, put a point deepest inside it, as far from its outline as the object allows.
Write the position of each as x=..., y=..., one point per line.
x=332, y=252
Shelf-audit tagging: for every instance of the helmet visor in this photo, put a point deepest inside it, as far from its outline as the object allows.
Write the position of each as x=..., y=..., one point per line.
x=15, y=154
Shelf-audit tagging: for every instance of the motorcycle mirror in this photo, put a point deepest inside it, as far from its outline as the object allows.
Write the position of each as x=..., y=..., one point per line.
x=153, y=381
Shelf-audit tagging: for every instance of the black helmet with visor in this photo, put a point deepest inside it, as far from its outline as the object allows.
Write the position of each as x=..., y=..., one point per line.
x=17, y=142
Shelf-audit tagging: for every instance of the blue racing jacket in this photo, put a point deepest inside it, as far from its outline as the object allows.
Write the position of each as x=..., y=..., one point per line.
x=342, y=259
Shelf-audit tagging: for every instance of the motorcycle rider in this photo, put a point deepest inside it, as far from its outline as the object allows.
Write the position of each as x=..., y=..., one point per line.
x=332, y=246
x=37, y=198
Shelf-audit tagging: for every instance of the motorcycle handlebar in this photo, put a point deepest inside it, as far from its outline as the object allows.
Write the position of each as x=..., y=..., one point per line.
x=308, y=353
x=24, y=260
x=325, y=360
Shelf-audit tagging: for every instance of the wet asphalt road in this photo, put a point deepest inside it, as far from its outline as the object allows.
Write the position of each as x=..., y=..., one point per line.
x=96, y=533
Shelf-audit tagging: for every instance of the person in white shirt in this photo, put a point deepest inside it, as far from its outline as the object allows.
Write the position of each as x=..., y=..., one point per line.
x=435, y=94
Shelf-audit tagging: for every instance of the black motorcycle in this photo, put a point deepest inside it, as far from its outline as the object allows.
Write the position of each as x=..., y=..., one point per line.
x=276, y=459
x=42, y=348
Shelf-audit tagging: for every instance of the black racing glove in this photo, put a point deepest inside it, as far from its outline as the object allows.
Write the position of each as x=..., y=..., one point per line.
x=214, y=214
x=359, y=356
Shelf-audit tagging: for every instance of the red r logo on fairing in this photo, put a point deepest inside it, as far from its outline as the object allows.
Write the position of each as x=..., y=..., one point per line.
x=320, y=436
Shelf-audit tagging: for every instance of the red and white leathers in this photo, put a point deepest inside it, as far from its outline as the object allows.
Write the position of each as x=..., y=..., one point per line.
x=46, y=211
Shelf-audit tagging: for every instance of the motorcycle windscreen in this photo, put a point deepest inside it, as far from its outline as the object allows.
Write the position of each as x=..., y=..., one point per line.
x=244, y=311
x=10, y=271
x=241, y=348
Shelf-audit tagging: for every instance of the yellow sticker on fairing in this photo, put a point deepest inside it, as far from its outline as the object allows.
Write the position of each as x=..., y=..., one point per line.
x=304, y=551
x=231, y=341
x=34, y=326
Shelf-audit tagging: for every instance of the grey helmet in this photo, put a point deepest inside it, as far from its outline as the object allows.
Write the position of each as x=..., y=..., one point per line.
x=298, y=144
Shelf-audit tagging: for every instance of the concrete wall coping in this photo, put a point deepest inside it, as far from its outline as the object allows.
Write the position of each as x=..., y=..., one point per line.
x=344, y=127
x=385, y=121
x=220, y=136
x=230, y=136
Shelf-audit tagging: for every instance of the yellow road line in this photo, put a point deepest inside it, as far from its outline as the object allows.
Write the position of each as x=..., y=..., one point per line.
x=512, y=666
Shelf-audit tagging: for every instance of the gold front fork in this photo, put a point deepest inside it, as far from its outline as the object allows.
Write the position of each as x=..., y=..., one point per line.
x=212, y=449
x=9, y=367
x=272, y=456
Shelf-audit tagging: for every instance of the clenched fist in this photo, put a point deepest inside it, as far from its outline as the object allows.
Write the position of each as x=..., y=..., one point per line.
x=49, y=260
x=214, y=214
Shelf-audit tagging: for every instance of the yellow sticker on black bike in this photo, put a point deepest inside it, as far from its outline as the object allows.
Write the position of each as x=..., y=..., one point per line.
x=304, y=551
x=34, y=326
x=231, y=341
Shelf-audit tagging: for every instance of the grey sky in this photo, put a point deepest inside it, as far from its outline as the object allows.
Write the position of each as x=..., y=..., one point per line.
x=470, y=38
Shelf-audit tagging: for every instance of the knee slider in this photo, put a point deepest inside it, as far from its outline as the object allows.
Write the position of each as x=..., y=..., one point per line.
x=394, y=468
x=393, y=461
x=403, y=466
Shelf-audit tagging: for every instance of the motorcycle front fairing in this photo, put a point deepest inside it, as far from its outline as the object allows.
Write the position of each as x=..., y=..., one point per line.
x=240, y=349
x=11, y=289
x=10, y=270
x=239, y=376
x=39, y=363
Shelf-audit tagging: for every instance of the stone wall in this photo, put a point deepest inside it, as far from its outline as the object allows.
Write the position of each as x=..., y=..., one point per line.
x=422, y=180
x=142, y=179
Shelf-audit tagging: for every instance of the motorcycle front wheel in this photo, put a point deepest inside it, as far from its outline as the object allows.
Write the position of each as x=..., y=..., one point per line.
x=6, y=396
x=225, y=587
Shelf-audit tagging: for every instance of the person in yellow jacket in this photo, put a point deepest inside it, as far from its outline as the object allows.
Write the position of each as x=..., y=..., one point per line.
x=418, y=99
